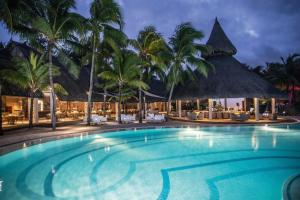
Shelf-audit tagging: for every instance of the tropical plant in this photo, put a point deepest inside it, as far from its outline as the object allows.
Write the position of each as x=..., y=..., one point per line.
x=30, y=74
x=150, y=47
x=105, y=14
x=4, y=63
x=185, y=56
x=123, y=74
x=285, y=74
x=53, y=24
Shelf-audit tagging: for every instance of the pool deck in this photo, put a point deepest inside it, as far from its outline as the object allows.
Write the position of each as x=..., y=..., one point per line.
x=21, y=138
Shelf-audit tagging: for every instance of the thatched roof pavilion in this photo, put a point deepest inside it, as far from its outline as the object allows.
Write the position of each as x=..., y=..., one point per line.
x=230, y=79
x=76, y=88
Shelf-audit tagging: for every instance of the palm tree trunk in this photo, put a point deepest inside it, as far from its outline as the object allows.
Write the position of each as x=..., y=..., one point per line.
x=1, y=120
x=140, y=100
x=170, y=98
x=31, y=110
x=52, y=93
x=91, y=83
x=104, y=101
x=119, y=106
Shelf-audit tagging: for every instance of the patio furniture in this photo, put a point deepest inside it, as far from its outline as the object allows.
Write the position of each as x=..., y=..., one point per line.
x=192, y=115
x=128, y=118
x=273, y=116
x=219, y=115
x=226, y=115
x=155, y=118
x=214, y=115
x=96, y=119
x=239, y=117
x=11, y=119
x=206, y=115
x=201, y=116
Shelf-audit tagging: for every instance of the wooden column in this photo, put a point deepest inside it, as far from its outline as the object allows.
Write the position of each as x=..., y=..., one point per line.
x=256, y=108
x=85, y=109
x=146, y=109
x=210, y=109
x=179, y=108
x=198, y=104
x=273, y=105
x=117, y=111
x=35, y=111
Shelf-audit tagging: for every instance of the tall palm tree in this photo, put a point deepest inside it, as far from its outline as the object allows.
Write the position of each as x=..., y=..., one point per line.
x=123, y=74
x=185, y=55
x=284, y=74
x=105, y=14
x=52, y=26
x=30, y=73
x=149, y=46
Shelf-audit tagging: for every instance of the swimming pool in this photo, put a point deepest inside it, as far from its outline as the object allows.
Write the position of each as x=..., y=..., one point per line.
x=230, y=162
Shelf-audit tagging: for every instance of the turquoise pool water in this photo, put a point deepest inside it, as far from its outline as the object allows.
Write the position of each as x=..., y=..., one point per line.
x=167, y=163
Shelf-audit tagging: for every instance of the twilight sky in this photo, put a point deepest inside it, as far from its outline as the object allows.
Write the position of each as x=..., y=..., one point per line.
x=261, y=30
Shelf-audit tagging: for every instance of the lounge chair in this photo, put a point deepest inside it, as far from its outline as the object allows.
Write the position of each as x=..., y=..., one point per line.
x=96, y=119
x=155, y=118
x=128, y=118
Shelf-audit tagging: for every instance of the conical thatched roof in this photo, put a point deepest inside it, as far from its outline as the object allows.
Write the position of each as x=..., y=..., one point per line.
x=219, y=42
x=229, y=79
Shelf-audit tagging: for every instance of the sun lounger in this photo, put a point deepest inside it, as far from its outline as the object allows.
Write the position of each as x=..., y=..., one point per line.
x=155, y=118
x=96, y=119
x=128, y=118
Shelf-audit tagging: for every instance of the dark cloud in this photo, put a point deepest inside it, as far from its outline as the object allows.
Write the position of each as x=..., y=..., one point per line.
x=262, y=31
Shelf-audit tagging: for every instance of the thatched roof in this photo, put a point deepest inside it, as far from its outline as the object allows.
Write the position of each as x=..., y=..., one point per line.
x=76, y=88
x=219, y=42
x=229, y=79
x=9, y=89
x=158, y=88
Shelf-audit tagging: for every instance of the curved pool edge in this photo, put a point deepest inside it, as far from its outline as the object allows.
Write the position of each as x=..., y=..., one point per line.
x=291, y=188
x=14, y=146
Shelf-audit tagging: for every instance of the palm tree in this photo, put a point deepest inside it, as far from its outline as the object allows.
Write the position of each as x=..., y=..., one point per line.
x=4, y=63
x=149, y=46
x=52, y=26
x=123, y=74
x=30, y=73
x=284, y=74
x=185, y=55
x=105, y=14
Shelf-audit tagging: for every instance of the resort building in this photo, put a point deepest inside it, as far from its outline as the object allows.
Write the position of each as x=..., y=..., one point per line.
x=230, y=91
x=230, y=88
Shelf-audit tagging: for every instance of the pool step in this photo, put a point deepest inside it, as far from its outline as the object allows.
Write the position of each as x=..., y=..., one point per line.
x=291, y=189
